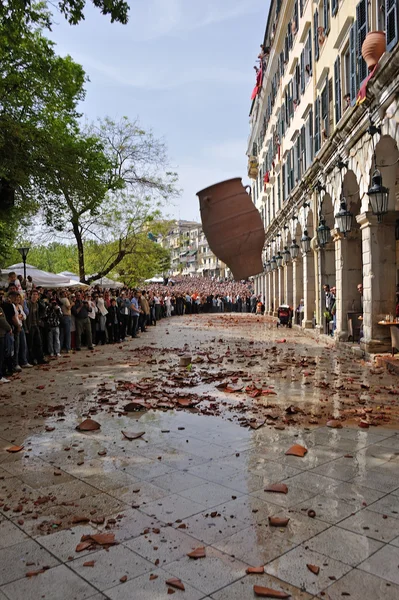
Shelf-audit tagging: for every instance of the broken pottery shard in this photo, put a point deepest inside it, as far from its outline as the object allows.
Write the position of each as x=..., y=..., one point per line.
x=89, y=563
x=176, y=583
x=278, y=522
x=88, y=425
x=255, y=570
x=80, y=519
x=257, y=424
x=334, y=424
x=184, y=361
x=187, y=403
x=297, y=450
x=15, y=448
x=134, y=406
x=197, y=553
x=314, y=569
x=103, y=539
x=82, y=546
x=364, y=424
x=131, y=435
x=123, y=579
x=265, y=592
x=277, y=488
x=34, y=573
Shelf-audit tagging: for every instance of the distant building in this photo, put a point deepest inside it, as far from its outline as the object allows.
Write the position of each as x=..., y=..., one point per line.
x=190, y=253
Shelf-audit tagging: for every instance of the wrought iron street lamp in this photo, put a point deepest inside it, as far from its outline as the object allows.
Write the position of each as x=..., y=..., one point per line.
x=344, y=218
x=267, y=266
x=323, y=232
x=273, y=263
x=379, y=196
x=305, y=242
x=279, y=260
x=286, y=256
x=24, y=253
x=294, y=250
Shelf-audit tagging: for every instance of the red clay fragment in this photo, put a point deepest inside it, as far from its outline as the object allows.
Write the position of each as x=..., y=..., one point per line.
x=34, y=573
x=15, y=448
x=265, y=592
x=297, y=450
x=277, y=488
x=255, y=570
x=176, y=583
x=82, y=546
x=89, y=563
x=314, y=569
x=123, y=579
x=197, y=553
x=103, y=539
x=130, y=435
x=364, y=424
x=334, y=424
x=88, y=425
x=278, y=522
x=80, y=519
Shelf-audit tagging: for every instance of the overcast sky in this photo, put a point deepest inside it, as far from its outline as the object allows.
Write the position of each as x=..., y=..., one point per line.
x=185, y=68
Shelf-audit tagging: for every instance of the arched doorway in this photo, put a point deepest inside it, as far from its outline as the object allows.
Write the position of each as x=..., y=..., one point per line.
x=326, y=257
x=349, y=267
x=380, y=251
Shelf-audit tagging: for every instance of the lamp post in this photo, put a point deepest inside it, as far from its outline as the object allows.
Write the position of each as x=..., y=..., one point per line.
x=323, y=230
x=286, y=256
x=279, y=260
x=24, y=253
x=305, y=242
x=344, y=218
x=379, y=196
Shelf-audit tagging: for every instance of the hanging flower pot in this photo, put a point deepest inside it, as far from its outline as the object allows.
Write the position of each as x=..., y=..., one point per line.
x=373, y=48
x=233, y=227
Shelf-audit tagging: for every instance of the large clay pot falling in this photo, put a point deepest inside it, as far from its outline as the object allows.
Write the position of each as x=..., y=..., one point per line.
x=233, y=227
x=373, y=48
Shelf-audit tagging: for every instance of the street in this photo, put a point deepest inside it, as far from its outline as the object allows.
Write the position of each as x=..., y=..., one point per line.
x=194, y=424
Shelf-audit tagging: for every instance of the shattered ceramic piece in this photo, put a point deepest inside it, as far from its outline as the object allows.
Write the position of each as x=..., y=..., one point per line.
x=255, y=570
x=88, y=425
x=176, y=583
x=197, y=553
x=277, y=488
x=334, y=424
x=131, y=435
x=314, y=569
x=15, y=449
x=278, y=521
x=297, y=450
x=265, y=592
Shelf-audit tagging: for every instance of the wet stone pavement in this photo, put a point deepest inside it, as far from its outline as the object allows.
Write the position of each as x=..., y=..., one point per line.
x=94, y=514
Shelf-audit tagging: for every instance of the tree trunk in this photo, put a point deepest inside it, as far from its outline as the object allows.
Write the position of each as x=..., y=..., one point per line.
x=81, y=253
x=120, y=256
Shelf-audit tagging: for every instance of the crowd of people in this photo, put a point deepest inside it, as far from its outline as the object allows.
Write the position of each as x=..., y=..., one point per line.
x=37, y=324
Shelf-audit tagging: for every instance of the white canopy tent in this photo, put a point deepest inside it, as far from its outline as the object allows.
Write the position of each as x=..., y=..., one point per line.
x=154, y=280
x=39, y=277
x=105, y=282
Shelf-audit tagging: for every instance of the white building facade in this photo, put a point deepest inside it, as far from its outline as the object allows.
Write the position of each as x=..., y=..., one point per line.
x=324, y=160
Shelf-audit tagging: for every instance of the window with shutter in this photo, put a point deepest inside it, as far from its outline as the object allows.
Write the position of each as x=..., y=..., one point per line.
x=292, y=174
x=334, y=7
x=326, y=16
x=301, y=3
x=296, y=158
x=352, y=62
x=282, y=63
x=302, y=161
x=362, y=28
x=316, y=34
x=302, y=76
x=288, y=173
x=289, y=33
x=284, y=182
x=311, y=154
x=317, y=126
x=324, y=112
x=279, y=191
x=309, y=54
x=391, y=23
x=296, y=16
x=337, y=89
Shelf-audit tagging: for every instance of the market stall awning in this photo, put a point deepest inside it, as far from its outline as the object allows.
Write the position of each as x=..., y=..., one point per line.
x=39, y=278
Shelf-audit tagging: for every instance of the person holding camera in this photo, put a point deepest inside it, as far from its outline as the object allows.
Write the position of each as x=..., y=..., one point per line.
x=81, y=310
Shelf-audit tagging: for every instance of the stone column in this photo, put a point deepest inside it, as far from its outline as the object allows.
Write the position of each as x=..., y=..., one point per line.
x=280, y=284
x=269, y=293
x=348, y=269
x=275, y=294
x=379, y=278
x=297, y=282
x=309, y=290
x=288, y=284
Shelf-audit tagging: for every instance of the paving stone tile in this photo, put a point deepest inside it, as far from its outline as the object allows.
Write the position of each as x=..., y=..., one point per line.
x=173, y=458
x=210, y=529
x=384, y=564
x=358, y=585
x=213, y=471
x=357, y=495
x=343, y=545
x=243, y=588
x=295, y=494
x=327, y=509
x=177, y=481
x=378, y=480
x=208, y=574
x=249, y=509
x=131, y=525
x=144, y=588
x=210, y=494
x=14, y=559
x=59, y=582
x=391, y=442
x=139, y=493
x=260, y=543
x=102, y=503
x=166, y=545
x=319, y=455
x=110, y=565
x=291, y=567
x=10, y=534
x=395, y=542
x=342, y=469
x=373, y=525
x=173, y=507
x=149, y=469
x=71, y=490
x=63, y=543
x=110, y=481
x=311, y=481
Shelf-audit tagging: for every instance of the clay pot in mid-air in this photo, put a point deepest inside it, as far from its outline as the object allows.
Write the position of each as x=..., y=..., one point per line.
x=233, y=227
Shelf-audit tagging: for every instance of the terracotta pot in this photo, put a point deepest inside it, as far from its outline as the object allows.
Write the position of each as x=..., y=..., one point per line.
x=233, y=227
x=373, y=48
